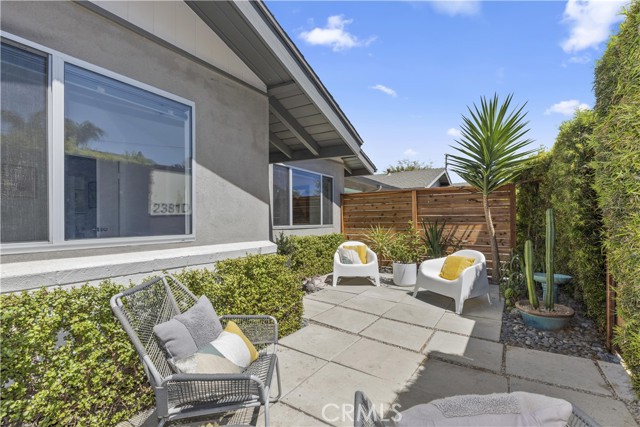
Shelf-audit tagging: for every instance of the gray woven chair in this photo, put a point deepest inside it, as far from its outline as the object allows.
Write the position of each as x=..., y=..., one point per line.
x=180, y=396
x=365, y=415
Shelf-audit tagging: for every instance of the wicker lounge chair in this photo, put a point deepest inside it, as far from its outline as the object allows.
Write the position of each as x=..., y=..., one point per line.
x=180, y=396
x=366, y=416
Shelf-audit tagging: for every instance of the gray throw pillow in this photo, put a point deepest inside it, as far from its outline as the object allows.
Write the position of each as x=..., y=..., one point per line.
x=184, y=334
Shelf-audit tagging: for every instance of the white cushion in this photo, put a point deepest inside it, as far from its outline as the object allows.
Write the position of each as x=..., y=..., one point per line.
x=348, y=256
x=505, y=409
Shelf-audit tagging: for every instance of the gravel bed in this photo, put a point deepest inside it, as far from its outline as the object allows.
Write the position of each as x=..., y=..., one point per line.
x=581, y=338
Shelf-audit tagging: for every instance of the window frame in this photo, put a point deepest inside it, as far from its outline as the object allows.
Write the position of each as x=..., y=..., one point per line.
x=302, y=226
x=55, y=156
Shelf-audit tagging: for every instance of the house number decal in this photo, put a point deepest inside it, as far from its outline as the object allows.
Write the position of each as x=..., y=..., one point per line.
x=169, y=193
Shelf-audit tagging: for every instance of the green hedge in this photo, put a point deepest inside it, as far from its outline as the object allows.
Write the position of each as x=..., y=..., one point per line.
x=94, y=377
x=578, y=218
x=532, y=200
x=256, y=284
x=313, y=255
x=617, y=177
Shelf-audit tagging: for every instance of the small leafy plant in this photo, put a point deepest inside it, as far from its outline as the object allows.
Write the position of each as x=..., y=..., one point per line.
x=407, y=247
x=512, y=280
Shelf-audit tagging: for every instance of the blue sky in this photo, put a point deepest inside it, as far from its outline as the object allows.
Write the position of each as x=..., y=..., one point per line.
x=404, y=72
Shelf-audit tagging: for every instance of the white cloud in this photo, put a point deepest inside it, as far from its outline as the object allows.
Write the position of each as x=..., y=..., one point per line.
x=454, y=133
x=456, y=7
x=335, y=35
x=590, y=22
x=410, y=152
x=568, y=108
x=385, y=89
x=580, y=59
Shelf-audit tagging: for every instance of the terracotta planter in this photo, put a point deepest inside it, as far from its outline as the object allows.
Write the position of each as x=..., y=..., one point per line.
x=545, y=320
x=405, y=274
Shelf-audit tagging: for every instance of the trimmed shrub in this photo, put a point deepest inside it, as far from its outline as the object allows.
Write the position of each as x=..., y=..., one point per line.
x=255, y=284
x=313, y=255
x=617, y=180
x=66, y=361
x=91, y=377
x=578, y=218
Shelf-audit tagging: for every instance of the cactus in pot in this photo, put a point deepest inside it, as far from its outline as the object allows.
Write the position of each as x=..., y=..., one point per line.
x=528, y=270
x=550, y=243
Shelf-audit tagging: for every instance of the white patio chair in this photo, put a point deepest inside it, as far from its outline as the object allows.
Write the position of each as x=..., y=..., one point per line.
x=471, y=283
x=370, y=269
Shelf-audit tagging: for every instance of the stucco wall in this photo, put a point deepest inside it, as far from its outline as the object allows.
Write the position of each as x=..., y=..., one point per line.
x=327, y=167
x=231, y=146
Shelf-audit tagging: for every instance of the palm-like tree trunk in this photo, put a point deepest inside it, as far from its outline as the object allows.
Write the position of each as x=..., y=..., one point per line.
x=495, y=271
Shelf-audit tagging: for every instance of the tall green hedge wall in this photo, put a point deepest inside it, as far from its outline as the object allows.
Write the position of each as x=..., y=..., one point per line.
x=616, y=144
x=563, y=179
x=578, y=219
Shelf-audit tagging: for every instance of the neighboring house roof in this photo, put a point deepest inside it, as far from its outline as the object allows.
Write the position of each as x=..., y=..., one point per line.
x=423, y=178
x=305, y=122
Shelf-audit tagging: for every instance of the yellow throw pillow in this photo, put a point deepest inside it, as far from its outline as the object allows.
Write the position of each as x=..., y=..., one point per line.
x=454, y=266
x=361, y=250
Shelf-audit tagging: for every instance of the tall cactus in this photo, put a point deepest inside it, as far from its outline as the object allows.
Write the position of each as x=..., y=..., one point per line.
x=550, y=243
x=528, y=270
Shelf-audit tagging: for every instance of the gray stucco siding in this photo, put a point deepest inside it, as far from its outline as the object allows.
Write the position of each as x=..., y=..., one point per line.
x=231, y=120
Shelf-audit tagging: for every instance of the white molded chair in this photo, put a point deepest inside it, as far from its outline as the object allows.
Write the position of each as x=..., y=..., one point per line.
x=370, y=269
x=471, y=283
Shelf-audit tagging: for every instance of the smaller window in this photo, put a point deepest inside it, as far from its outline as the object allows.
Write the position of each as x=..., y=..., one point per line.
x=301, y=197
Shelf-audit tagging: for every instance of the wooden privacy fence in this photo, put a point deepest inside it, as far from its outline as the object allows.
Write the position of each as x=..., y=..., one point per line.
x=460, y=207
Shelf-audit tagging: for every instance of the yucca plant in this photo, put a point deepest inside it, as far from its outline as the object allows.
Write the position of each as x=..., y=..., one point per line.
x=436, y=240
x=491, y=154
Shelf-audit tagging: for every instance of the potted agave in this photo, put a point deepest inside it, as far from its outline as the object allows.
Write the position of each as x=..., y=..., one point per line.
x=551, y=316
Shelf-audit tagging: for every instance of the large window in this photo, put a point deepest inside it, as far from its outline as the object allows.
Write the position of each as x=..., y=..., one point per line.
x=24, y=164
x=114, y=155
x=301, y=198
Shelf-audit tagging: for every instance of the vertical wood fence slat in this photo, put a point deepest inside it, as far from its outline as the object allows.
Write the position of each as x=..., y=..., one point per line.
x=459, y=207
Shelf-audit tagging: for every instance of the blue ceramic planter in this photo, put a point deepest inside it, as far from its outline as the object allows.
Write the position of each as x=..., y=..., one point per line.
x=542, y=322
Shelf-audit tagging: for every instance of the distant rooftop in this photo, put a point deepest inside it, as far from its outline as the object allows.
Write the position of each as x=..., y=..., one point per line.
x=422, y=178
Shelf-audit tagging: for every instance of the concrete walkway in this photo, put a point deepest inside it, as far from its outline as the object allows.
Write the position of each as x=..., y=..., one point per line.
x=404, y=351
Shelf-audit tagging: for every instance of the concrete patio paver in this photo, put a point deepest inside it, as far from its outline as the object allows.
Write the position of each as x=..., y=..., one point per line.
x=346, y=319
x=313, y=307
x=606, y=411
x=397, y=333
x=430, y=298
x=385, y=293
x=333, y=387
x=421, y=315
x=375, y=306
x=480, y=307
x=466, y=350
x=556, y=368
x=331, y=296
x=319, y=341
x=281, y=415
x=437, y=379
x=619, y=379
x=478, y=327
x=381, y=360
x=295, y=367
